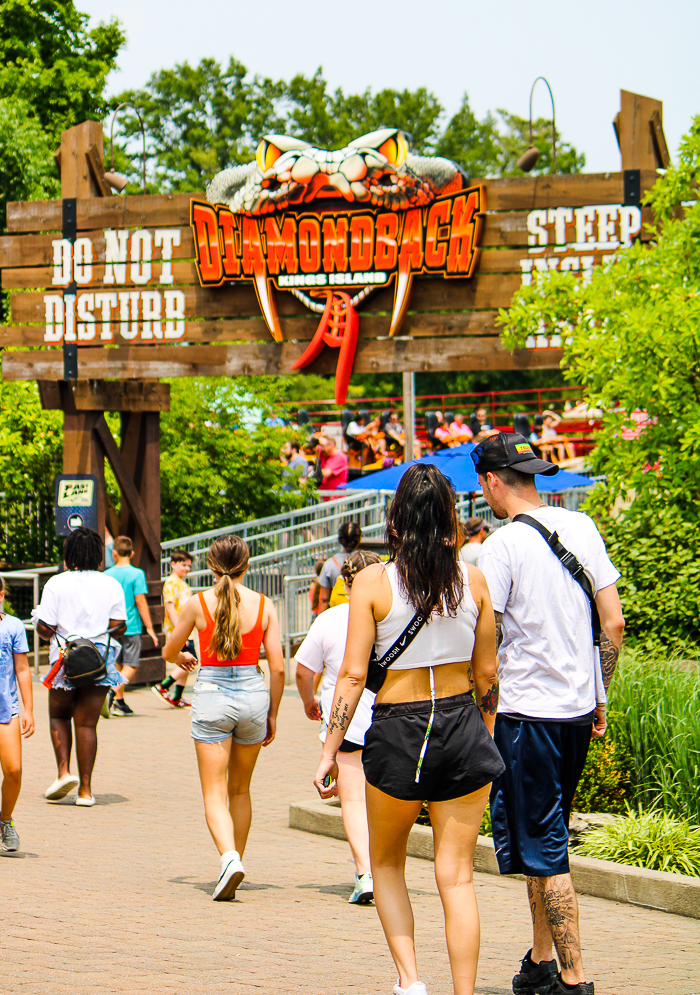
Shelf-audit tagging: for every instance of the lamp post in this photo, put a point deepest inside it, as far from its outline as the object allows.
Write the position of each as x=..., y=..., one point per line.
x=117, y=180
x=528, y=159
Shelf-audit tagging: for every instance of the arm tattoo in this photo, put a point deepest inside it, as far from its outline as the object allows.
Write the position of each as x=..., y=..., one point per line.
x=608, y=659
x=339, y=716
x=489, y=701
x=499, y=628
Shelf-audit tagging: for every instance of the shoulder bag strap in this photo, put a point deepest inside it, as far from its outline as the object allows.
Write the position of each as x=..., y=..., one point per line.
x=570, y=563
x=400, y=644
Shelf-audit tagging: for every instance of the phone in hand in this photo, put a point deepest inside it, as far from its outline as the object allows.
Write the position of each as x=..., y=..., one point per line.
x=327, y=781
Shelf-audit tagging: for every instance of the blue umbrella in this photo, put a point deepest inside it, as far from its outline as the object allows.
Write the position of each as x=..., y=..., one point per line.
x=457, y=466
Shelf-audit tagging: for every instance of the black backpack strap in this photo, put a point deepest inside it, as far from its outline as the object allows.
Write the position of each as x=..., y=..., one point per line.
x=570, y=563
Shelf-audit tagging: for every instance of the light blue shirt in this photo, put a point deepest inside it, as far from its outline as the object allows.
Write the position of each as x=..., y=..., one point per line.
x=133, y=582
x=13, y=639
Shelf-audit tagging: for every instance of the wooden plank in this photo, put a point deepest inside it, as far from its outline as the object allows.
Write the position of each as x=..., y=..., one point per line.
x=502, y=194
x=127, y=395
x=128, y=489
x=636, y=141
x=663, y=156
x=37, y=250
x=77, y=179
x=271, y=358
x=300, y=328
x=94, y=158
x=488, y=291
x=29, y=277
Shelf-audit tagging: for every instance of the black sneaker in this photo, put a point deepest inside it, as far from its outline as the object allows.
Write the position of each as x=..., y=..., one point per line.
x=121, y=706
x=582, y=988
x=535, y=979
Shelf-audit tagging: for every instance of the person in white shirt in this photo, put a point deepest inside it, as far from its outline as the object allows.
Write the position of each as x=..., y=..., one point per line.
x=477, y=531
x=552, y=694
x=84, y=602
x=322, y=652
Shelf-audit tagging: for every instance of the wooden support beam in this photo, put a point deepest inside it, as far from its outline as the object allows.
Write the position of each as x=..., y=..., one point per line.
x=108, y=395
x=663, y=157
x=94, y=158
x=635, y=134
x=127, y=486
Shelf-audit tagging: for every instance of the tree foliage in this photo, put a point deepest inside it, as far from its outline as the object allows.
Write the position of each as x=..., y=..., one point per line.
x=634, y=343
x=50, y=59
x=201, y=119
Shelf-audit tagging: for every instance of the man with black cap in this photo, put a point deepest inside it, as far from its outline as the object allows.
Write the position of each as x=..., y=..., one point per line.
x=552, y=595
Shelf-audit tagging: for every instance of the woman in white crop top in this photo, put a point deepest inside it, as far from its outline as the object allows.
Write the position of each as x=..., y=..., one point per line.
x=431, y=736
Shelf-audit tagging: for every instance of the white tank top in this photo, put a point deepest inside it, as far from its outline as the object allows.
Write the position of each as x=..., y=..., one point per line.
x=441, y=640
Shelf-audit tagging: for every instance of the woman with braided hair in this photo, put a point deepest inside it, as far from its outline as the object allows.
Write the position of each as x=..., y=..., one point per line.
x=233, y=714
x=323, y=650
x=80, y=601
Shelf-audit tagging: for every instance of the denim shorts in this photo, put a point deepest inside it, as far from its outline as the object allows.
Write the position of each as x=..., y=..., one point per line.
x=230, y=701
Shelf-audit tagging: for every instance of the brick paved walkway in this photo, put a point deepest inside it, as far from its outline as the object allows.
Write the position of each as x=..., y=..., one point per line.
x=118, y=898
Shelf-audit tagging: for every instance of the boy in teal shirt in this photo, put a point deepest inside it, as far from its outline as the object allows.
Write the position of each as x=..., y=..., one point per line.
x=135, y=587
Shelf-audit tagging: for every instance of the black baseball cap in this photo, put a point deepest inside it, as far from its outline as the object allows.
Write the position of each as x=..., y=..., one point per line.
x=509, y=449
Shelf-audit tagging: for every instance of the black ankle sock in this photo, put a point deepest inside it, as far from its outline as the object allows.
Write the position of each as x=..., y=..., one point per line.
x=566, y=987
x=167, y=682
x=177, y=692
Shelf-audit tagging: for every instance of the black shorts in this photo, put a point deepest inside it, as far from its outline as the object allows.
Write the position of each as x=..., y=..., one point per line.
x=347, y=746
x=531, y=801
x=460, y=758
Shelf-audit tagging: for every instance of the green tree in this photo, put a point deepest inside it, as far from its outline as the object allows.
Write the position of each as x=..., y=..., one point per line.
x=27, y=168
x=202, y=119
x=52, y=61
x=634, y=343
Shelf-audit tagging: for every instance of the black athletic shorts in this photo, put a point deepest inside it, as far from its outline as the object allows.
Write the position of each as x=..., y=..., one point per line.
x=347, y=746
x=531, y=801
x=460, y=757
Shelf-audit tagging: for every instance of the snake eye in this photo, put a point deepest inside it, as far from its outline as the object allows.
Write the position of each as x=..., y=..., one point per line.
x=267, y=155
x=395, y=149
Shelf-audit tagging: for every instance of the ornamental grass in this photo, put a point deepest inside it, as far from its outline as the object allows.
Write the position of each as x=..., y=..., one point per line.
x=654, y=717
x=653, y=839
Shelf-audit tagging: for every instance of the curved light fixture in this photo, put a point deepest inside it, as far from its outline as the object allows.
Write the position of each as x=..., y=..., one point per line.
x=528, y=159
x=117, y=180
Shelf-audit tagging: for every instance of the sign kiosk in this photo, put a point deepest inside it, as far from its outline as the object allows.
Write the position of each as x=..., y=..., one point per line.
x=75, y=504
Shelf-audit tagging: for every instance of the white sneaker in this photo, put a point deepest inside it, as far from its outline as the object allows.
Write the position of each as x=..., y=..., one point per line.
x=417, y=988
x=61, y=787
x=85, y=802
x=232, y=873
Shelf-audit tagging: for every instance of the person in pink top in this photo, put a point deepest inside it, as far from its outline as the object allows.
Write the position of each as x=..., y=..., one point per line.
x=460, y=432
x=443, y=431
x=334, y=465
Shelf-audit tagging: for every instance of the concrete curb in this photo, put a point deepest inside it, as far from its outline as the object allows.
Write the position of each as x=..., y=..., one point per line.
x=674, y=893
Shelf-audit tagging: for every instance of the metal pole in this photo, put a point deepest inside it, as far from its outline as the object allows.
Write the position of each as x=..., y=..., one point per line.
x=36, y=634
x=409, y=414
x=287, y=640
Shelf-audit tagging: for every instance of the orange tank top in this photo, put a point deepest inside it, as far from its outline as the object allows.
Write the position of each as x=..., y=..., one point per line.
x=252, y=641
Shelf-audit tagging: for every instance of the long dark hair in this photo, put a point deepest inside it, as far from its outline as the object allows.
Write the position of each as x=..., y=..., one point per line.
x=422, y=536
x=228, y=557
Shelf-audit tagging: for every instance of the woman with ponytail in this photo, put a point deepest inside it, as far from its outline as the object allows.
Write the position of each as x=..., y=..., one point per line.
x=429, y=618
x=233, y=714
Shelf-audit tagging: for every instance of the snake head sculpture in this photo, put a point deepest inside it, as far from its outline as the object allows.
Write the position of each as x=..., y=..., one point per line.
x=376, y=169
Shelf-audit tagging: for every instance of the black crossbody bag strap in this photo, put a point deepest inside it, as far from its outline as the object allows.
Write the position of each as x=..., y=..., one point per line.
x=570, y=563
x=376, y=671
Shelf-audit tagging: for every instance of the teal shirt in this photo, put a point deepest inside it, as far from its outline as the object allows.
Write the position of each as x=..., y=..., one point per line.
x=133, y=582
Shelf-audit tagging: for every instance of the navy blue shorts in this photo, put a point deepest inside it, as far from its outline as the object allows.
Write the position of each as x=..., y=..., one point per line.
x=531, y=800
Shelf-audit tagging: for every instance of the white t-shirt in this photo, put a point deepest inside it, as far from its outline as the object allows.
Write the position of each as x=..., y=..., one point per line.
x=325, y=646
x=80, y=603
x=546, y=660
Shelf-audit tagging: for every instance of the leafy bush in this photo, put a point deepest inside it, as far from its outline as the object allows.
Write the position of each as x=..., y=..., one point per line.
x=606, y=778
x=655, y=718
x=653, y=839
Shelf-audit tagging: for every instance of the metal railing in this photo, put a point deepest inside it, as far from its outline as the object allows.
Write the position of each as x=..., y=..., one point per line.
x=284, y=532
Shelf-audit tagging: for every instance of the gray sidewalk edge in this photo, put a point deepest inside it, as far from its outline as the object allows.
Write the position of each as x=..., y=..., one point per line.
x=674, y=893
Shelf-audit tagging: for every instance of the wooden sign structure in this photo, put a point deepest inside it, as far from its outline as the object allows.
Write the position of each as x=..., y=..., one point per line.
x=106, y=300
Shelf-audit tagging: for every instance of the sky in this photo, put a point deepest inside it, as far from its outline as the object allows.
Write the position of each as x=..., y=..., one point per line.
x=492, y=50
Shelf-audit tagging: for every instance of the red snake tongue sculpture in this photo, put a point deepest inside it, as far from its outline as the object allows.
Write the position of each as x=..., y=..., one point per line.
x=339, y=328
